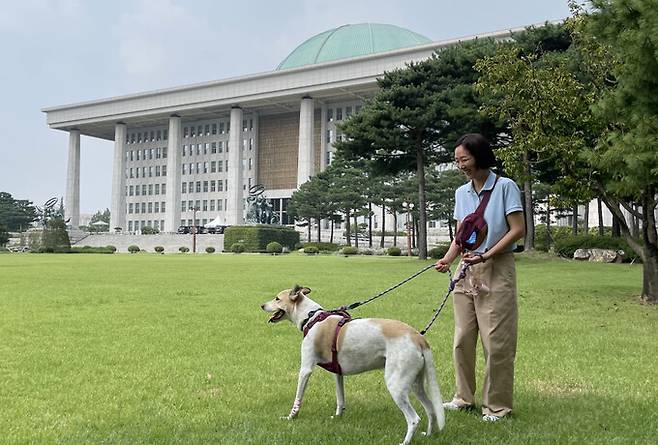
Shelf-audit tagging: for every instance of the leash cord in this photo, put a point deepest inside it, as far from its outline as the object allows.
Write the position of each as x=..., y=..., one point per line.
x=451, y=287
x=361, y=303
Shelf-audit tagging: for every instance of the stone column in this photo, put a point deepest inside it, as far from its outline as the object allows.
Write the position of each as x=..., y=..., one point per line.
x=323, y=138
x=254, y=154
x=305, y=156
x=72, y=202
x=172, y=212
x=118, y=202
x=234, y=211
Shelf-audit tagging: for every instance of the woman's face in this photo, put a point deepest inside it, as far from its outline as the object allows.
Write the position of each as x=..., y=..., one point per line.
x=465, y=161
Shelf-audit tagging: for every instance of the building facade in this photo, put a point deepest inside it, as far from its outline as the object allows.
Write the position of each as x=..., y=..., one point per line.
x=198, y=149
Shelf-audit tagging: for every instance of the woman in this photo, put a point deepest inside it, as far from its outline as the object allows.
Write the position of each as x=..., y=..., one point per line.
x=485, y=300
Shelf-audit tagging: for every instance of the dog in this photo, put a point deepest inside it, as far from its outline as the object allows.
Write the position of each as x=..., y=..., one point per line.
x=361, y=345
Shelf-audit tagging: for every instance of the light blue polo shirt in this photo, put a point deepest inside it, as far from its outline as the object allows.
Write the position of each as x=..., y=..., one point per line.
x=505, y=199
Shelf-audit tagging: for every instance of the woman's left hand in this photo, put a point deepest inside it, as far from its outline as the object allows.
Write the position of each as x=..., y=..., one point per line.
x=473, y=258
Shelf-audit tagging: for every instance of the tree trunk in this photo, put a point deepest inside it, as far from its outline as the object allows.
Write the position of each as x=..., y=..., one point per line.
x=586, y=219
x=574, y=220
x=381, y=242
x=635, y=223
x=548, y=224
x=331, y=237
x=529, y=243
x=450, y=231
x=370, y=225
x=347, y=227
x=395, y=228
x=309, y=229
x=422, y=204
x=600, y=213
x=356, y=231
x=319, y=224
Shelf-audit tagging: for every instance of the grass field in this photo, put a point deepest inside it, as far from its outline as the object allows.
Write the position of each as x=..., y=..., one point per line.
x=164, y=349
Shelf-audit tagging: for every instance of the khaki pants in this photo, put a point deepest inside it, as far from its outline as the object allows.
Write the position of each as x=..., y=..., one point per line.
x=485, y=301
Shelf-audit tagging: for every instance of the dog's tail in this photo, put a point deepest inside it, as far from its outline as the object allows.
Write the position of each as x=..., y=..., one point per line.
x=433, y=388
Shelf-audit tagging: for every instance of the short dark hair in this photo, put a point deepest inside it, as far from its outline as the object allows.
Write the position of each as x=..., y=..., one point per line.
x=479, y=147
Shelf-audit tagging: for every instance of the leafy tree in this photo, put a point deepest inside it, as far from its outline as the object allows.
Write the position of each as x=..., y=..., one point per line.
x=626, y=155
x=103, y=216
x=441, y=195
x=345, y=184
x=310, y=202
x=417, y=113
x=55, y=237
x=16, y=214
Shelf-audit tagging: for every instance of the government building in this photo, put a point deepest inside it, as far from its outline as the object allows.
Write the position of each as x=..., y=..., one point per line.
x=199, y=148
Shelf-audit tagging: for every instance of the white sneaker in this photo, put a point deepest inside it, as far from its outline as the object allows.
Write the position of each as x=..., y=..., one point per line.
x=490, y=418
x=454, y=406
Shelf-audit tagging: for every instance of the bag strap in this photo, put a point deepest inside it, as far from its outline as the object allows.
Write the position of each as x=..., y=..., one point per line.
x=485, y=199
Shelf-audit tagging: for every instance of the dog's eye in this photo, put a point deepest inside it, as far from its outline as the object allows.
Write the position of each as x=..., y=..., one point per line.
x=277, y=299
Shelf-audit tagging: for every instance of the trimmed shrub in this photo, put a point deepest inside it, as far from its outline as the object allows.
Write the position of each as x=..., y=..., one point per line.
x=89, y=249
x=256, y=238
x=439, y=251
x=311, y=250
x=394, y=251
x=183, y=249
x=323, y=247
x=567, y=246
x=112, y=248
x=350, y=250
x=148, y=230
x=237, y=248
x=210, y=249
x=159, y=249
x=133, y=249
x=274, y=247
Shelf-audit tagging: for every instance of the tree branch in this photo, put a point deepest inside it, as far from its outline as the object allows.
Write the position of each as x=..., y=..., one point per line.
x=631, y=210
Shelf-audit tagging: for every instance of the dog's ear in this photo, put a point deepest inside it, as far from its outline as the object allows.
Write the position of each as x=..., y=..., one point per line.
x=295, y=292
x=306, y=290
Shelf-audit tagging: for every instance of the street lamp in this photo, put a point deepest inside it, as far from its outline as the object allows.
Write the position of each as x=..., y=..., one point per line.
x=409, y=206
x=194, y=210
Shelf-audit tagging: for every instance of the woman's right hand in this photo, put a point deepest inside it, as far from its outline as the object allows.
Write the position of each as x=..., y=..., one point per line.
x=442, y=265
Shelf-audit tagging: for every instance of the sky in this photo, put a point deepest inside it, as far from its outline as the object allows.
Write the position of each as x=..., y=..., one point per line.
x=58, y=52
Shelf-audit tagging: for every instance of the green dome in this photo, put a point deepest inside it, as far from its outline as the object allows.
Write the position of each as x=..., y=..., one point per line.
x=351, y=41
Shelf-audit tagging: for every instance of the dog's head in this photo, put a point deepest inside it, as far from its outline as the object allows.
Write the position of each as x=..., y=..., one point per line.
x=284, y=303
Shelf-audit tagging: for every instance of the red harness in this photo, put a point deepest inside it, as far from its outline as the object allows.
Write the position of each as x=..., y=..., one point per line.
x=332, y=366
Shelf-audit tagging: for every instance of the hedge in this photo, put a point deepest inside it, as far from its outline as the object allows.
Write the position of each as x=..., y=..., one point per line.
x=256, y=238
x=322, y=247
x=568, y=245
x=89, y=249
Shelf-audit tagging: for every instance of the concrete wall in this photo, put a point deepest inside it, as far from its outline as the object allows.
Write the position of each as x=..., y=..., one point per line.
x=171, y=242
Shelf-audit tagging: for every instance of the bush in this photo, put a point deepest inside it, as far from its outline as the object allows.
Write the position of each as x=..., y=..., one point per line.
x=394, y=251
x=557, y=233
x=237, y=248
x=159, y=249
x=148, y=230
x=439, y=251
x=183, y=249
x=350, y=250
x=133, y=249
x=256, y=238
x=274, y=247
x=210, y=249
x=568, y=245
x=311, y=250
x=112, y=248
x=55, y=236
x=367, y=252
x=89, y=249
x=323, y=247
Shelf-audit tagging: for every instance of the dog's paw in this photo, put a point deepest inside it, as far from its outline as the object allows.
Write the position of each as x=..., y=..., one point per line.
x=287, y=417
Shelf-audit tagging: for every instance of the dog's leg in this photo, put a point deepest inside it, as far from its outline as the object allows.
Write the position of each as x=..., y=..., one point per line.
x=340, y=395
x=419, y=390
x=304, y=374
x=399, y=381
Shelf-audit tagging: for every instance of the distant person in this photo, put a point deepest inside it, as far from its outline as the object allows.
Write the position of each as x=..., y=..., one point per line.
x=485, y=301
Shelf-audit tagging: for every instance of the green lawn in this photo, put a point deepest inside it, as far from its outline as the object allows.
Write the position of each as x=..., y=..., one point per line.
x=167, y=349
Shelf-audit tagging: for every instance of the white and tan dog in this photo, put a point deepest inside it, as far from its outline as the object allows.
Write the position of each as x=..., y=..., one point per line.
x=363, y=344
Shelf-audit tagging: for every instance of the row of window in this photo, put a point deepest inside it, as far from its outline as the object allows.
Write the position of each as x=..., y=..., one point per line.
x=146, y=172
x=205, y=186
x=146, y=153
x=203, y=205
x=336, y=114
x=214, y=128
x=146, y=189
x=146, y=207
x=138, y=225
x=146, y=136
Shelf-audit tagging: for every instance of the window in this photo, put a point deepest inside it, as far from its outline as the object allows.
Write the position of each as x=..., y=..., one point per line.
x=250, y=163
x=164, y=170
x=226, y=165
x=219, y=204
x=151, y=151
x=186, y=132
x=329, y=136
x=143, y=189
x=183, y=207
x=158, y=153
x=157, y=189
x=130, y=207
x=131, y=155
x=164, y=189
x=143, y=207
x=220, y=186
x=158, y=135
x=184, y=169
x=198, y=149
x=330, y=115
x=137, y=207
x=251, y=124
x=130, y=226
x=182, y=222
x=165, y=134
x=150, y=189
x=244, y=125
x=192, y=132
x=162, y=209
x=150, y=171
x=197, y=204
x=138, y=153
x=206, y=147
x=205, y=186
x=131, y=172
x=213, y=186
x=136, y=190
x=199, y=130
x=348, y=112
x=190, y=187
x=198, y=167
x=205, y=167
x=207, y=129
x=212, y=205
x=190, y=205
x=213, y=167
x=220, y=166
x=357, y=108
x=157, y=170
x=339, y=114
x=131, y=192
x=139, y=137
x=143, y=172
x=221, y=128
x=244, y=144
x=150, y=207
x=213, y=148
x=214, y=129
x=251, y=143
x=198, y=186
x=184, y=149
x=184, y=190
x=164, y=152
x=205, y=205
x=145, y=154
x=220, y=146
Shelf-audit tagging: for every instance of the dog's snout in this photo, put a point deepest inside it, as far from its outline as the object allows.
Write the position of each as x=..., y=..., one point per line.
x=262, y=306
